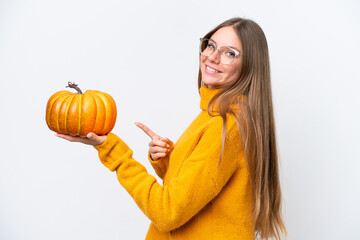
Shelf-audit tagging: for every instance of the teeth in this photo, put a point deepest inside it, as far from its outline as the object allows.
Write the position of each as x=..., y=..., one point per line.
x=211, y=69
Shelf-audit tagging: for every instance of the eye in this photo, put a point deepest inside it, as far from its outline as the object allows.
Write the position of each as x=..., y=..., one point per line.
x=211, y=45
x=230, y=54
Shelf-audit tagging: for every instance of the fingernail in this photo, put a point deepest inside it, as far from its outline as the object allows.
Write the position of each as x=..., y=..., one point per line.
x=168, y=146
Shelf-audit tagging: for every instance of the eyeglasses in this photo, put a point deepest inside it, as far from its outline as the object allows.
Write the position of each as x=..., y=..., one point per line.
x=227, y=54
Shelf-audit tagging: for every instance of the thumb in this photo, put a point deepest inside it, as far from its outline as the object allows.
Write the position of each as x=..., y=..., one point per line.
x=95, y=138
x=168, y=141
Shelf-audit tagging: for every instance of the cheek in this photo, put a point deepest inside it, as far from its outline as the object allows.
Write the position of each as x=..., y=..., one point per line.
x=234, y=73
x=202, y=63
x=202, y=60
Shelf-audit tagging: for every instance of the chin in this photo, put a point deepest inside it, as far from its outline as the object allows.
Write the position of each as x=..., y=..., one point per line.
x=209, y=85
x=208, y=82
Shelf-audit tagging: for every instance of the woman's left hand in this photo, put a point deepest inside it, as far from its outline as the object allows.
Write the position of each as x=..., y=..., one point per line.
x=90, y=139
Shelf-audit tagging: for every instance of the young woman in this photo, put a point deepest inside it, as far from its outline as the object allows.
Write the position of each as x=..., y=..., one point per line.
x=220, y=179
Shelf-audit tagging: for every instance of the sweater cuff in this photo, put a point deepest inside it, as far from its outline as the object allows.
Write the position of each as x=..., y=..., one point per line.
x=154, y=163
x=113, y=152
x=152, y=160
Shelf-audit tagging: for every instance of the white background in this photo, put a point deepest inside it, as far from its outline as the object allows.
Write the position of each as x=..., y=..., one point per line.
x=145, y=54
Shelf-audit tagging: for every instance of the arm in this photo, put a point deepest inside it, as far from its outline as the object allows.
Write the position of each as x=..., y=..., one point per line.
x=200, y=179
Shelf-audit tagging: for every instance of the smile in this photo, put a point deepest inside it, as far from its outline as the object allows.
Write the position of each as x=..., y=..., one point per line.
x=211, y=69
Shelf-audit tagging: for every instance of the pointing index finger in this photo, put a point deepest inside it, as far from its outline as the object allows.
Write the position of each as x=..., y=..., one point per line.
x=147, y=131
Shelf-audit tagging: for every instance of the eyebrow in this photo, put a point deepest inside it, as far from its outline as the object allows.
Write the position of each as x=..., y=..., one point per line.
x=226, y=46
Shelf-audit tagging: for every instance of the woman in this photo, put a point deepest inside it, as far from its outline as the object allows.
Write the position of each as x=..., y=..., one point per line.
x=220, y=179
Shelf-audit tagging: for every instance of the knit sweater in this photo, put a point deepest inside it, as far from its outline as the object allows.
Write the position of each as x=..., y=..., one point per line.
x=201, y=196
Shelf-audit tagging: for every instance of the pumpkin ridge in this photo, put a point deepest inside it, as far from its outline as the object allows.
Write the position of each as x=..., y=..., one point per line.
x=114, y=112
x=66, y=113
x=80, y=105
x=58, y=114
x=100, y=117
x=107, y=99
x=96, y=111
x=104, y=102
x=51, y=107
x=61, y=115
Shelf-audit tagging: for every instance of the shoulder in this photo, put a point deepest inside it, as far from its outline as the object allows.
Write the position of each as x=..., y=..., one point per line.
x=215, y=126
x=218, y=122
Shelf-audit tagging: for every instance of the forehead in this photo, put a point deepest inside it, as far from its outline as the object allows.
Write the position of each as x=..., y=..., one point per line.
x=226, y=36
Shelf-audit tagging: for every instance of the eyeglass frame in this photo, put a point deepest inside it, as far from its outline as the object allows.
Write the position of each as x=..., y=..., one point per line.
x=237, y=53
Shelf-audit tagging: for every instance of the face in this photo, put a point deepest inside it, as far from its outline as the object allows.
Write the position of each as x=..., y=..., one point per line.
x=215, y=74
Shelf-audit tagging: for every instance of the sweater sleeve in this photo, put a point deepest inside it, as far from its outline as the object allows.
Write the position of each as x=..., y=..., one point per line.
x=160, y=166
x=200, y=179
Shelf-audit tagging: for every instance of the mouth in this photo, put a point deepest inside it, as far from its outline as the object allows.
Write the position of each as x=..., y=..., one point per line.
x=211, y=70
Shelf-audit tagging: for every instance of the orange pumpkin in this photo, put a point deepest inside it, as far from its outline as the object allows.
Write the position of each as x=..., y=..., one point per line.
x=79, y=113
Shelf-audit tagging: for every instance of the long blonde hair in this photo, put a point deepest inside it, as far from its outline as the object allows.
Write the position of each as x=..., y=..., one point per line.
x=256, y=125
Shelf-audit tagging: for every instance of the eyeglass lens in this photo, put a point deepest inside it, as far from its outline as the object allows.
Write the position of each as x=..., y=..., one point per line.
x=207, y=47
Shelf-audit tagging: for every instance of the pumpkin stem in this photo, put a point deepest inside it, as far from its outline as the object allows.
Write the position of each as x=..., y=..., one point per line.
x=74, y=86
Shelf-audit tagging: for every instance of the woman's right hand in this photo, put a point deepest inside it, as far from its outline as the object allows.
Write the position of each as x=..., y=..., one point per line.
x=90, y=139
x=159, y=147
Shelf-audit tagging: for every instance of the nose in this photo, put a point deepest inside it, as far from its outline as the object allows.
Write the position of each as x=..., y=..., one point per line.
x=215, y=56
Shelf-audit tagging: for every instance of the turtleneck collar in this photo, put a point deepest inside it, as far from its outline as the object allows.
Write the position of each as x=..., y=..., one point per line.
x=206, y=94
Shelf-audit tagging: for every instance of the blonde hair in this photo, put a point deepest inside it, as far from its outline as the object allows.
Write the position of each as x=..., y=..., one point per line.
x=251, y=93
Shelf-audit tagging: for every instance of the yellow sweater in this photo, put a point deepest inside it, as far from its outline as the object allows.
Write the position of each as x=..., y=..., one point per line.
x=199, y=198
